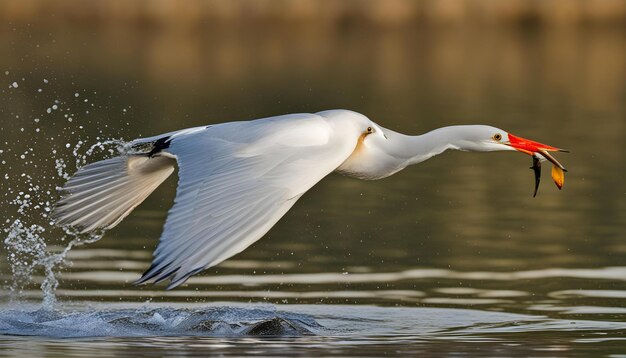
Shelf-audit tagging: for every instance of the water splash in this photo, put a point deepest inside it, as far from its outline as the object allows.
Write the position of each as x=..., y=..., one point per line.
x=27, y=251
x=25, y=243
x=25, y=246
x=53, y=261
x=365, y=324
x=225, y=321
x=30, y=235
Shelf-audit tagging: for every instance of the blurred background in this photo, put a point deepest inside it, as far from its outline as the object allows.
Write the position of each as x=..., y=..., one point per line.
x=461, y=229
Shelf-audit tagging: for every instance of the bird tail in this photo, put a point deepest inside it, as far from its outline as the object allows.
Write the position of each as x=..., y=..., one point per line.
x=101, y=194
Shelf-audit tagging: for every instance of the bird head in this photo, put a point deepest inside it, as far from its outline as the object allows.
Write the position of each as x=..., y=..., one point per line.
x=493, y=139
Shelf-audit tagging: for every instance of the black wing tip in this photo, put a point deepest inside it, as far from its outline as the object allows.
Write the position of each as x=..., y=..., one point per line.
x=159, y=145
x=179, y=281
x=153, y=271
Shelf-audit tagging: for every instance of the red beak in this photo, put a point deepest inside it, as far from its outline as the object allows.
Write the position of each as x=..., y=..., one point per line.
x=531, y=148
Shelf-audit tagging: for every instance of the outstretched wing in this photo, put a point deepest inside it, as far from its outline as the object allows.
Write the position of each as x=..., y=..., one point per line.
x=236, y=180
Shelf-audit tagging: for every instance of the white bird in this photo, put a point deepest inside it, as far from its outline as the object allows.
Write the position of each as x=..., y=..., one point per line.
x=237, y=179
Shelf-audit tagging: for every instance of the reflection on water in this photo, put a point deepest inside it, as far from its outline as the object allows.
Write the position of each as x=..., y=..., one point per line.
x=525, y=291
x=458, y=232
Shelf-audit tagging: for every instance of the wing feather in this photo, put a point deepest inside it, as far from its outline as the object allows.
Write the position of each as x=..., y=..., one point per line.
x=236, y=180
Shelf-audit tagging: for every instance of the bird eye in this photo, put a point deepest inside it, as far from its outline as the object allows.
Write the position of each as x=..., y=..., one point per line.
x=369, y=130
x=497, y=136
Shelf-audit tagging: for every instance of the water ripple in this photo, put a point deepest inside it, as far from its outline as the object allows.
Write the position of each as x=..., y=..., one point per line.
x=605, y=273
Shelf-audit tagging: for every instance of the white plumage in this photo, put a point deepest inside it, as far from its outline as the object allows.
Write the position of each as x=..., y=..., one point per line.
x=103, y=193
x=237, y=179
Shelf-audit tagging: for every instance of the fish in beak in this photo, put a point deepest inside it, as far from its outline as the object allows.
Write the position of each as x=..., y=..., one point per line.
x=539, y=153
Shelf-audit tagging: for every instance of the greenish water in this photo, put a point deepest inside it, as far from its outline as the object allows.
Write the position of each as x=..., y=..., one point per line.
x=453, y=255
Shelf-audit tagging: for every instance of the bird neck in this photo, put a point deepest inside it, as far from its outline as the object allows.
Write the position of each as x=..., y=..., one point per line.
x=384, y=155
x=419, y=148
